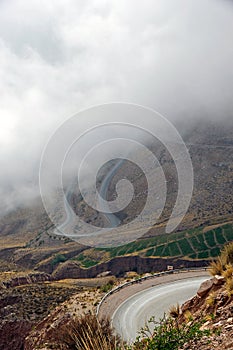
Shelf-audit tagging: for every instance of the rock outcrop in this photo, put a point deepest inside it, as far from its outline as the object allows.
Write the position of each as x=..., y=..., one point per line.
x=31, y=278
x=205, y=287
x=119, y=266
x=214, y=305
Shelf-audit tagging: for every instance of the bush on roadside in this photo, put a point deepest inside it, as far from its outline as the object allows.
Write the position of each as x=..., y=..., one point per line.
x=227, y=254
x=216, y=267
x=223, y=265
x=88, y=333
x=106, y=288
x=168, y=335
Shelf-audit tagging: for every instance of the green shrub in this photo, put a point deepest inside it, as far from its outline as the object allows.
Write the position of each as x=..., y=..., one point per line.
x=168, y=335
x=57, y=259
x=106, y=287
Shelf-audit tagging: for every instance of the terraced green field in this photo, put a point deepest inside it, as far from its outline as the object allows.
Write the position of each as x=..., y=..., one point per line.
x=193, y=244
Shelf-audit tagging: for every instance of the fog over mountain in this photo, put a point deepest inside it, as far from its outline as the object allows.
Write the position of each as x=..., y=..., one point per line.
x=59, y=57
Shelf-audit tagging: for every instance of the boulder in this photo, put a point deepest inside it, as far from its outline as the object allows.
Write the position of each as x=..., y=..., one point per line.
x=187, y=305
x=205, y=287
x=104, y=274
x=219, y=280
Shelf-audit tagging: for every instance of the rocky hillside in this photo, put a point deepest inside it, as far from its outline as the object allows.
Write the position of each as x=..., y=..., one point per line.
x=204, y=322
x=213, y=304
x=51, y=332
x=211, y=150
x=43, y=315
x=21, y=308
x=27, y=299
x=28, y=242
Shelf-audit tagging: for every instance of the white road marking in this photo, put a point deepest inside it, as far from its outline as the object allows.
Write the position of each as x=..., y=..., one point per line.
x=133, y=313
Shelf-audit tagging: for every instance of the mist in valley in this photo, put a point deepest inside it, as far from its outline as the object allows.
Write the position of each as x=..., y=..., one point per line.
x=60, y=58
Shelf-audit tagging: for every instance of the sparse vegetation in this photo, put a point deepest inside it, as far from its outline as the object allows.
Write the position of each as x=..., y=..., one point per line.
x=106, y=288
x=174, y=311
x=216, y=267
x=228, y=272
x=87, y=333
x=229, y=286
x=211, y=299
x=223, y=265
x=168, y=335
x=227, y=254
x=85, y=260
x=58, y=259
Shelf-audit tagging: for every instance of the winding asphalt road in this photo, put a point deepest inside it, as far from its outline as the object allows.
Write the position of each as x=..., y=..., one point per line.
x=132, y=314
x=112, y=219
x=70, y=215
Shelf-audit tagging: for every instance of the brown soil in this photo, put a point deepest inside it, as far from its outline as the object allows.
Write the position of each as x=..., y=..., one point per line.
x=218, y=316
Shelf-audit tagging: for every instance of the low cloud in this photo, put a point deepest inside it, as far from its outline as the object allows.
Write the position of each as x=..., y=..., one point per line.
x=58, y=57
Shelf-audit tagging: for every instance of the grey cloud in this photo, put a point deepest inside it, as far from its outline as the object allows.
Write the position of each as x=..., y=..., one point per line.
x=57, y=57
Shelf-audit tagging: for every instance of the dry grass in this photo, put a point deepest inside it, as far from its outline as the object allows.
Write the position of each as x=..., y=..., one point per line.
x=188, y=316
x=211, y=299
x=87, y=333
x=216, y=267
x=228, y=272
x=229, y=286
x=174, y=311
x=227, y=254
x=223, y=266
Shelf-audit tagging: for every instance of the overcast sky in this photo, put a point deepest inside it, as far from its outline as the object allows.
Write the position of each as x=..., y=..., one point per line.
x=57, y=57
